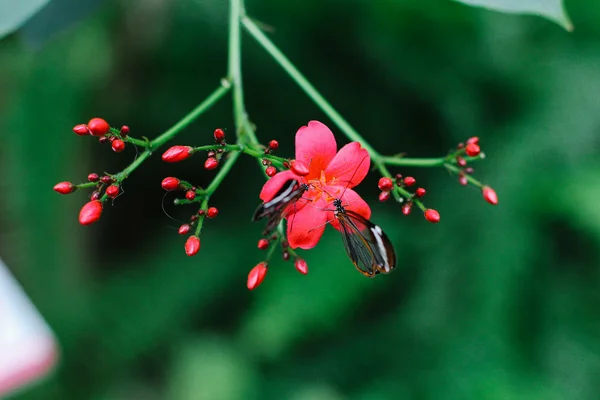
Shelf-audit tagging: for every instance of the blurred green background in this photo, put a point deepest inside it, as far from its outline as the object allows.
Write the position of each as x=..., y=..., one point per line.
x=492, y=303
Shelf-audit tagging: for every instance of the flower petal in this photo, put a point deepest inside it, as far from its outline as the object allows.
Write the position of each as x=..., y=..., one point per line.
x=315, y=147
x=353, y=202
x=349, y=166
x=274, y=184
x=305, y=227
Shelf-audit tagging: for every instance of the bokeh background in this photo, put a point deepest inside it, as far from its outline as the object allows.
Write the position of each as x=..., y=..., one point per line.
x=491, y=303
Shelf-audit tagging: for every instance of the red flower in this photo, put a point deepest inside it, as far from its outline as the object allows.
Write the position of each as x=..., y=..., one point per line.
x=330, y=175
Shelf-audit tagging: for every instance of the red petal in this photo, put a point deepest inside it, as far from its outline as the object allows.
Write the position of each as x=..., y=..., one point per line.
x=305, y=227
x=353, y=202
x=316, y=147
x=349, y=166
x=273, y=185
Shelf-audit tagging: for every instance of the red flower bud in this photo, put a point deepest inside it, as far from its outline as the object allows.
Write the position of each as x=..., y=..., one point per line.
x=81, y=130
x=65, y=187
x=112, y=191
x=256, y=275
x=384, y=196
x=90, y=212
x=385, y=184
x=93, y=177
x=301, y=266
x=462, y=179
x=124, y=130
x=177, y=153
x=219, y=135
x=420, y=192
x=263, y=244
x=212, y=212
x=472, y=149
x=299, y=168
x=98, y=127
x=118, y=145
x=461, y=161
x=271, y=171
x=273, y=144
x=102, y=139
x=489, y=195
x=474, y=140
x=106, y=179
x=190, y=195
x=192, y=245
x=95, y=195
x=406, y=208
x=183, y=229
x=432, y=216
x=286, y=255
x=409, y=181
x=211, y=163
x=170, y=183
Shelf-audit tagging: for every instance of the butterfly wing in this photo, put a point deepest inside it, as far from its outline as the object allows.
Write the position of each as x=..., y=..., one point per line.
x=366, y=244
x=277, y=208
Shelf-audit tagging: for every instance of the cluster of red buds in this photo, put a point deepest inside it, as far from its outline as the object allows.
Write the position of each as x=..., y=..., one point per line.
x=101, y=129
x=460, y=158
x=92, y=210
x=270, y=170
x=258, y=273
x=179, y=153
x=103, y=187
x=192, y=195
x=387, y=185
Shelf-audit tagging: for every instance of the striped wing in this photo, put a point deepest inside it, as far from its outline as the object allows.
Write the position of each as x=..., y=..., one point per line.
x=366, y=244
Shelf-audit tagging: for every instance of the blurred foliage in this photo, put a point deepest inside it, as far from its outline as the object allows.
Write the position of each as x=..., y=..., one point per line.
x=554, y=10
x=492, y=303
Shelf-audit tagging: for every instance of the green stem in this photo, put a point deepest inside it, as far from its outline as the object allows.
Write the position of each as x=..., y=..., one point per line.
x=136, y=163
x=414, y=162
x=457, y=170
x=174, y=130
x=191, y=116
x=201, y=218
x=245, y=132
x=234, y=67
x=308, y=88
x=258, y=154
x=227, y=165
x=137, y=142
x=86, y=185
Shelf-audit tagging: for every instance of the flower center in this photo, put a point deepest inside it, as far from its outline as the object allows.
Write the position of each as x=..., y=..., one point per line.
x=318, y=187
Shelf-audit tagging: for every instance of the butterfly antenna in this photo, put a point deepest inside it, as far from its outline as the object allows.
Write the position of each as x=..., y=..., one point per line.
x=352, y=177
x=162, y=205
x=318, y=226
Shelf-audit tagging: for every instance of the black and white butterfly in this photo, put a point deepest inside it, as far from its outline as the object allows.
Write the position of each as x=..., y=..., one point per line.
x=276, y=208
x=366, y=244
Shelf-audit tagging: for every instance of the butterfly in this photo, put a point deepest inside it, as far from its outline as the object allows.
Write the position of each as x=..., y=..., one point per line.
x=276, y=208
x=366, y=244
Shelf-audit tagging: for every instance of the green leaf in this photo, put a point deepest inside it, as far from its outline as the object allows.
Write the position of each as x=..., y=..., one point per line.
x=13, y=14
x=551, y=9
